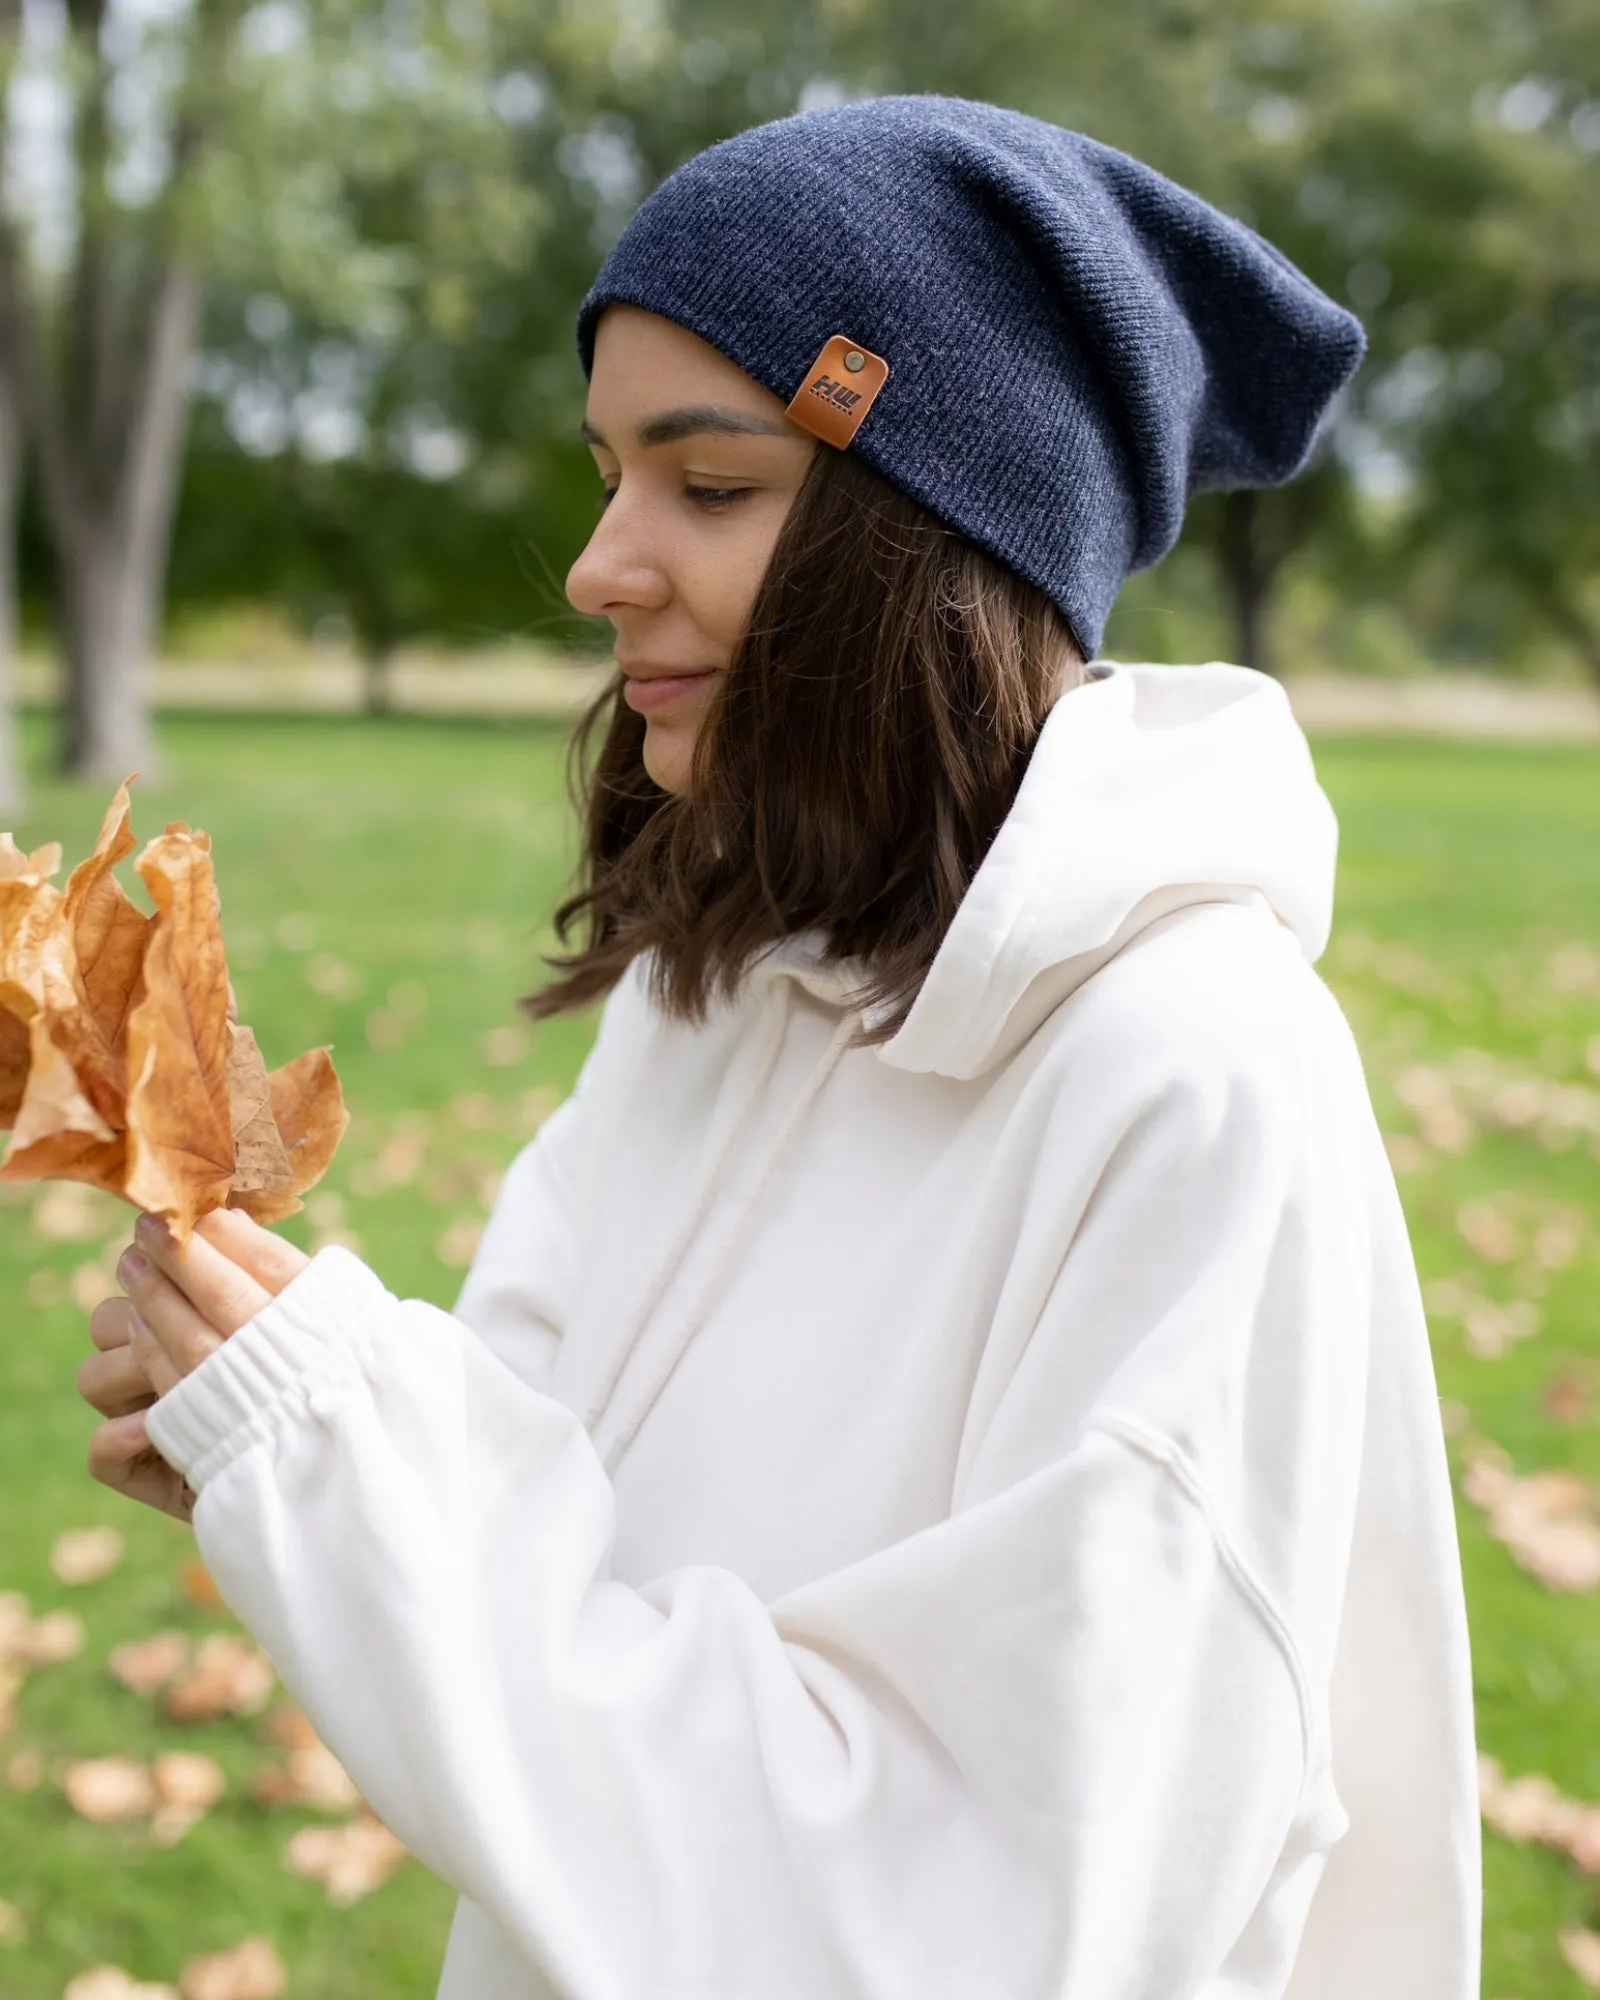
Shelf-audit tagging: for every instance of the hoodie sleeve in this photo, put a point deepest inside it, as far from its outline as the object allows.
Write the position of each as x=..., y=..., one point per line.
x=1065, y=1741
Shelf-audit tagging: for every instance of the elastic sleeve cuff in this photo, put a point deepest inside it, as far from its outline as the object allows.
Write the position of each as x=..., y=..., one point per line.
x=317, y=1330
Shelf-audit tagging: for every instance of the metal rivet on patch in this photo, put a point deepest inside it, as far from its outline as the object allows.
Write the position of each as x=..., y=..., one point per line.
x=838, y=391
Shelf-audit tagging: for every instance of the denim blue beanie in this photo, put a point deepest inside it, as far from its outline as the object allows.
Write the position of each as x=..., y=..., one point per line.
x=1074, y=343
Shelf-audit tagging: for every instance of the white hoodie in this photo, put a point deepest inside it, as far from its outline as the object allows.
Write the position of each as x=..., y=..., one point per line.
x=961, y=1520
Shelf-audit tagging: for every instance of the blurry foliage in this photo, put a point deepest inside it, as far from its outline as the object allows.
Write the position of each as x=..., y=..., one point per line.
x=388, y=400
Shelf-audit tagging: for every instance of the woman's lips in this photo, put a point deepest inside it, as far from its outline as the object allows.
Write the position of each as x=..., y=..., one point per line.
x=662, y=690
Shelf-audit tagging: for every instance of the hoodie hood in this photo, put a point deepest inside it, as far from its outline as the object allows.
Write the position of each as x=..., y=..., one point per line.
x=1150, y=789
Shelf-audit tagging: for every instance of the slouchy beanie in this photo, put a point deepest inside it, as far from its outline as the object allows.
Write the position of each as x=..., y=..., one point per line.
x=1074, y=344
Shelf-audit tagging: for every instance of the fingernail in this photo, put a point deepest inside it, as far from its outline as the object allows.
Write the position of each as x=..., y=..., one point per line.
x=151, y=1229
x=132, y=1264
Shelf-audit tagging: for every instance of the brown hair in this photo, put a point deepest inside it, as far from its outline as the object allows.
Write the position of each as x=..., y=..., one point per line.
x=849, y=774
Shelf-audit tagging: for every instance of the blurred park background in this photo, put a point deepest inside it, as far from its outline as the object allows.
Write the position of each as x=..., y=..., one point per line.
x=288, y=421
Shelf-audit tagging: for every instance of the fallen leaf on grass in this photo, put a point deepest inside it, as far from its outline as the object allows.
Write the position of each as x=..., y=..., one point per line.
x=109, y=1788
x=85, y=1555
x=69, y=1212
x=199, y=1585
x=505, y=1046
x=110, y=1982
x=230, y=1676
x=122, y=1063
x=187, y=1786
x=24, y=1771
x=310, y=1775
x=1581, y=1950
x=89, y=1285
x=46, y=1288
x=333, y=979
x=1547, y=1520
x=349, y=1861
x=457, y=1247
x=28, y=1642
x=189, y=1779
x=12, y=1928
x=251, y=1971
x=147, y=1665
x=1531, y=1808
x=1567, y=1396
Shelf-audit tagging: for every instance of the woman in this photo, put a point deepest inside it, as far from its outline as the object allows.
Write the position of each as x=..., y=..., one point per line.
x=933, y=1486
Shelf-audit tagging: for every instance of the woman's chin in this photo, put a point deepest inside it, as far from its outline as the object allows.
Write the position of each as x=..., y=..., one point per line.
x=668, y=754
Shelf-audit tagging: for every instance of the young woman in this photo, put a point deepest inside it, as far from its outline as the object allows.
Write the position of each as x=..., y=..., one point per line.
x=932, y=1489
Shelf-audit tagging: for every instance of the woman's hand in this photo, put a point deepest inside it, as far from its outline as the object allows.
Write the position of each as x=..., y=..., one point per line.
x=181, y=1305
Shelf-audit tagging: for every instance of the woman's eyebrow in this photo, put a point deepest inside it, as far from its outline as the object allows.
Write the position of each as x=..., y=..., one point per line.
x=691, y=421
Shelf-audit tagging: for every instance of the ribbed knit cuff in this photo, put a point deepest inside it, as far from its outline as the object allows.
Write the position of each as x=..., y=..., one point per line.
x=316, y=1331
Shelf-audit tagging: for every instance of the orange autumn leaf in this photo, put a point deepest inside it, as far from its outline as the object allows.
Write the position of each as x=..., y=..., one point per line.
x=109, y=933
x=180, y=1131
x=261, y=1162
x=311, y=1119
x=122, y=1060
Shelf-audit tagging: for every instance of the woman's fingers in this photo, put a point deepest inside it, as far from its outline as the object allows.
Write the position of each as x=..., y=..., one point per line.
x=110, y=1323
x=114, y=1383
x=221, y=1293
x=170, y=1335
x=265, y=1257
x=122, y=1457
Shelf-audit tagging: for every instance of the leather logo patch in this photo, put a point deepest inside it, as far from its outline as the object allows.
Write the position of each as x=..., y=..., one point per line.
x=838, y=391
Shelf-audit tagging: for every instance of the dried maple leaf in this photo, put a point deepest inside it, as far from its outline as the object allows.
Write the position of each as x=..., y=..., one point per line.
x=261, y=1164
x=123, y=1064
x=309, y=1113
x=57, y=1128
x=109, y=933
x=251, y=1971
x=180, y=1132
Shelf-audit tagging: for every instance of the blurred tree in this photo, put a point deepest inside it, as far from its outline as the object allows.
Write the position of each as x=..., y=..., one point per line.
x=253, y=145
x=10, y=486
x=1430, y=162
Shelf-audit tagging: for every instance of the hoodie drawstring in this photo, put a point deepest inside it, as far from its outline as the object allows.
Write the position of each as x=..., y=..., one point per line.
x=673, y=1256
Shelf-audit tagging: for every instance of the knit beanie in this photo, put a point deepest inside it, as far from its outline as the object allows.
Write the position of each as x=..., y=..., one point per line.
x=1046, y=343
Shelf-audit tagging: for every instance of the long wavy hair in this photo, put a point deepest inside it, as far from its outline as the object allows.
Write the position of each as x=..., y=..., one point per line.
x=850, y=772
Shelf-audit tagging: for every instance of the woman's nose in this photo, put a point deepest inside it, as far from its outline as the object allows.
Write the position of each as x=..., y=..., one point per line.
x=616, y=570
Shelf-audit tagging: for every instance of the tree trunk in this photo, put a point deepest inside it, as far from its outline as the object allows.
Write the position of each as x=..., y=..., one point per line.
x=1247, y=569
x=1575, y=625
x=113, y=561
x=375, y=662
x=105, y=616
x=10, y=485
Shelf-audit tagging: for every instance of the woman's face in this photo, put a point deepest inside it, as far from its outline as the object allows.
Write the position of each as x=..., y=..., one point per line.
x=700, y=466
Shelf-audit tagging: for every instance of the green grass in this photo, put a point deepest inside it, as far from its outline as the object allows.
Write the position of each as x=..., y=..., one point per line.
x=386, y=888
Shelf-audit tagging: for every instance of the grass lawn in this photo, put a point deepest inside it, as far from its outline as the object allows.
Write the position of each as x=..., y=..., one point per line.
x=386, y=888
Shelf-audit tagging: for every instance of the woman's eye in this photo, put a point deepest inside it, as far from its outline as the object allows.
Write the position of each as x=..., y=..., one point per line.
x=607, y=495
x=714, y=497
